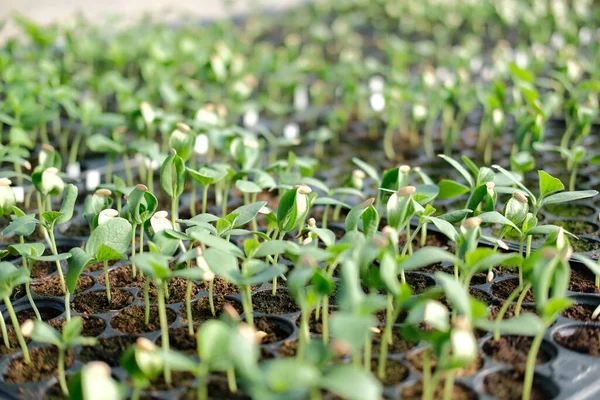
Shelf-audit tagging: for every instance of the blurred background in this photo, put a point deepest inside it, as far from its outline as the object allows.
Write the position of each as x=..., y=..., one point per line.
x=49, y=11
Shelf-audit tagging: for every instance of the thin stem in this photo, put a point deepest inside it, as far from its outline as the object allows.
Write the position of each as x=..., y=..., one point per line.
x=231, y=380
x=28, y=290
x=449, y=385
x=521, y=298
x=188, y=307
x=385, y=337
x=107, y=282
x=15, y=322
x=325, y=321
x=205, y=199
x=4, y=331
x=67, y=306
x=133, y=272
x=55, y=252
x=136, y=393
x=164, y=327
x=530, y=366
x=504, y=308
x=211, y=300
x=427, y=381
x=62, y=380
x=147, y=302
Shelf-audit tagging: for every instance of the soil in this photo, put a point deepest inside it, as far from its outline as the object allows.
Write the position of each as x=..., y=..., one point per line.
x=415, y=392
x=54, y=392
x=399, y=344
x=576, y=227
x=201, y=308
x=179, y=379
x=100, y=267
x=46, y=313
x=97, y=303
x=281, y=303
x=583, y=281
x=52, y=287
x=181, y=340
x=580, y=312
x=510, y=311
x=276, y=330
x=584, y=245
x=433, y=239
x=419, y=282
x=569, y=210
x=395, y=372
x=217, y=390
x=479, y=279
x=12, y=340
x=91, y=326
x=432, y=269
x=221, y=286
x=122, y=277
x=131, y=320
x=40, y=269
x=177, y=290
x=508, y=385
x=44, y=362
x=513, y=350
x=108, y=350
x=585, y=340
x=315, y=326
x=503, y=289
x=416, y=361
x=285, y=349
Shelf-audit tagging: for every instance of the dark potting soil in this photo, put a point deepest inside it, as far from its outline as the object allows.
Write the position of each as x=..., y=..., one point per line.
x=46, y=313
x=12, y=340
x=418, y=282
x=51, y=286
x=510, y=311
x=220, y=286
x=583, y=281
x=273, y=328
x=217, y=390
x=100, y=266
x=181, y=340
x=504, y=288
x=122, y=277
x=395, y=372
x=97, y=303
x=580, y=312
x=40, y=269
x=108, y=350
x=178, y=379
x=90, y=327
x=513, y=350
x=399, y=344
x=585, y=340
x=132, y=320
x=315, y=326
x=508, y=385
x=433, y=268
x=416, y=360
x=201, y=308
x=44, y=362
x=281, y=303
x=54, y=392
x=177, y=289
x=415, y=392
x=433, y=239
x=479, y=279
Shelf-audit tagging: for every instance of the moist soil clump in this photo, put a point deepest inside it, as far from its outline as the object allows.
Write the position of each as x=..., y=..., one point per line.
x=508, y=385
x=273, y=328
x=201, y=308
x=415, y=392
x=503, y=289
x=108, y=350
x=122, y=277
x=41, y=269
x=44, y=363
x=177, y=290
x=281, y=303
x=582, y=281
x=585, y=340
x=395, y=372
x=580, y=312
x=52, y=287
x=221, y=286
x=132, y=320
x=97, y=302
x=47, y=313
x=513, y=350
x=12, y=340
x=418, y=282
x=181, y=340
x=91, y=326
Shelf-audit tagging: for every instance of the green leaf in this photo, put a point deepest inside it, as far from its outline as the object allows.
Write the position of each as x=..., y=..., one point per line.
x=114, y=233
x=352, y=329
x=445, y=227
x=101, y=144
x=594, y=267
x=494, y=217
x=554, y=307
x=526, y=324
x=389, y=274
x=549, y=184
x=68, y=204
x=450, y=189
x=72, y=329
x=274, y=247
x=288, y=374
x=326, y=236
x=369, y=170
x=51, y=217
x=287, y=212
x=54, y=257
x=247, y=186
x=352, y=383
x=460, y=169
x=456, y=293
x=44, y=333
x=217, y=243
x=106, y=253
x=27, y=249
x=213, y=344
x=247, y=213
x=565, y=197
x=77, y=263
x=514, y=180
x=427, y=256
x=206, y=175
x=172, y=175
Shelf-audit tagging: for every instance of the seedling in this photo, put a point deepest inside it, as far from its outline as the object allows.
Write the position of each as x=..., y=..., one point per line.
x=11, y=277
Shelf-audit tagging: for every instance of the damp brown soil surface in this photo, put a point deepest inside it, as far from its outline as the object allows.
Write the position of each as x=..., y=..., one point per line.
x=51, y=286
x=419, y=282
x=40, y=269
x=508, y=385
x=201, y=308
x=415, y=392
x=97, y=303
x=281, y=303
x=44, y=363
x=580, y=312
x=122, y=277
x=177, y=290
x=416, y=360
x=504, y=288
x=178, y=379
x=315, y=326
x=513, y=350
x=433, y=239
x=479, y=279
x=132, y=320
x=100, y=266
x=217, y=390
x=91, y=326
x=221, y=286
x=510, y=311
x=395, y=372
x=47, y=313
x=12, y=340
x=585, y=340
x=583, y=281
x=181, y=340
x=274, y=329
x=399, y=344
x=108, y=350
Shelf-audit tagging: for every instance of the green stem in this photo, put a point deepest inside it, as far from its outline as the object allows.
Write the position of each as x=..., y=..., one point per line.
x=385, y=337
x=247, y=305
x=107, y=282
x=573, y=178
x=427, y=379
x=55, y=252
x=325, y=215
x=188, y=307
x=504, y=308
x=211, y=300
x=15, y=322
x=521, y=298
x=62, y=380
x=27, y=288
x=128, y=173
x=4, y=331
x=136, y=393
x=367, y=354
x=133, y=272
x=231, y=380
x=205, y=199
x=164, y=327
x=530, y=366
x=325, y=319
x=202, y=392
x=175, y=212
x=449, y=385
x=147, y=302
x=67, y=306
